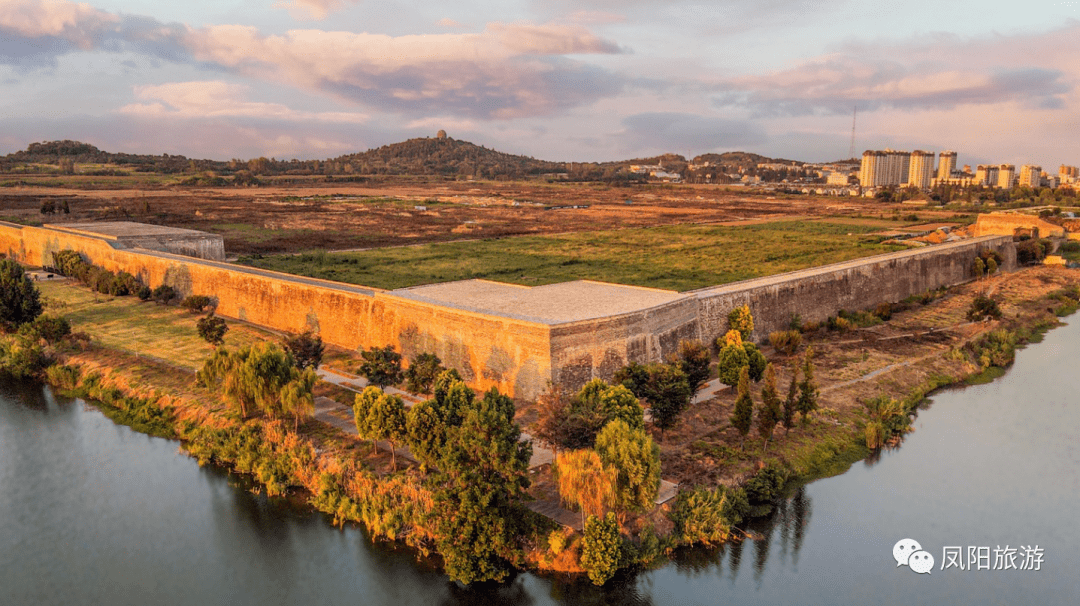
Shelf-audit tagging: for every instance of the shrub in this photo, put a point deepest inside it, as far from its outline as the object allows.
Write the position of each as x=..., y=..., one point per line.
x=884, y=311
x=144, y=293
x=63, y=376
x=600, y=548
x=163, y=294
x=212, y=329
x=731, y=359
x=755, y=361
x=766, y=485
x=786, y=342
x=706, y=516
x=889, y=419
x=981, y=307
x=50, y=328
x=21, y=357
x=20, y=301
x=741, y=320
x=1030, y=251
x=995, y=348
x=196, y=303
x=694, y=359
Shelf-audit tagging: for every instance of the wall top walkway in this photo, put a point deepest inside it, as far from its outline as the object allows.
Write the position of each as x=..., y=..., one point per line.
x=549, y=304
x=827, y=269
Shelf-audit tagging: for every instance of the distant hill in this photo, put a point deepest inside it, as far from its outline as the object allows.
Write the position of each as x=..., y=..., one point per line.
x=428, y=156
x=445, y=156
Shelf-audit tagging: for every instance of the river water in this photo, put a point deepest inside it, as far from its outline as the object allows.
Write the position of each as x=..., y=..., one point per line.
x=94, y=513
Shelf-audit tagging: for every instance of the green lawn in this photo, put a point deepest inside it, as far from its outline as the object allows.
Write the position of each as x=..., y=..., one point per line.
x=145, y=328
x=680, y=257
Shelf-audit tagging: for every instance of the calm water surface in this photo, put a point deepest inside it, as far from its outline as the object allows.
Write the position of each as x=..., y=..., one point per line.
x=94, y=513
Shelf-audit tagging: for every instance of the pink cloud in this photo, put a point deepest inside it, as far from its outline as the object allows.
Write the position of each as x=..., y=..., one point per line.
x=313, y=10
x=80, y=24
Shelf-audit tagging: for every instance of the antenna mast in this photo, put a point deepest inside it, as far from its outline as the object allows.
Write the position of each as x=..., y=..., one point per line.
x=854, y=114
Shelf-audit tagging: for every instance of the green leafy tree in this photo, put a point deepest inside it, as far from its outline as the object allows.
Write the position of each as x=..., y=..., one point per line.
x=162, y=294
x=422, y=372
x=297, y=398
x=21, y=357
x=306, y=348
x=364, y=405
x=381, y=366
x=741, y=320
x=731, y=359
x=50, y=328
x=387, y=422
x=194, y=303
x=483, y=474
x=252, y=377
x=769, y=414
x=980, y=267
x=808, y=389
x=694, y=359
x=20, y=301
x=212, y=329
x=637, y=460
x=665, y=387
x=755, y=361
x=791, y=402
x=601, y=548
x=743, y=416
x=573, y=422
x=991, y=266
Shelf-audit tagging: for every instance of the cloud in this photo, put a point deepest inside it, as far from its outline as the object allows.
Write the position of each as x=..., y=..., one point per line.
x=674, y=131
x=936, y=72
x=507, y=70
x=213, y=99
x=313, y=10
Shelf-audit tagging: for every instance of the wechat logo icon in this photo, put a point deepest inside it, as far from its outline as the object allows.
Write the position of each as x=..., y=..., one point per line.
x=908, y=552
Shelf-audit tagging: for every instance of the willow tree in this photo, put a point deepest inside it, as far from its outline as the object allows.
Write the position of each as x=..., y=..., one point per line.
x=634, y=456
x=585, y=482
x=257, y=377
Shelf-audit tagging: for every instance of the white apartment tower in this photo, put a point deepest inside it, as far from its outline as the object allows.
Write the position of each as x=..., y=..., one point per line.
x=1030, y=175
x=1006, y=176
x=921, y=169
x=947, y=165
x=882, y=168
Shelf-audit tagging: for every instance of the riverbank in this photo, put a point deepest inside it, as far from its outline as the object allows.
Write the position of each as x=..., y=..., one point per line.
x=338, y=475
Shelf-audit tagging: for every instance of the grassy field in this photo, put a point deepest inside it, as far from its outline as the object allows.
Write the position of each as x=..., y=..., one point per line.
x=680, y=257
x=145, y=328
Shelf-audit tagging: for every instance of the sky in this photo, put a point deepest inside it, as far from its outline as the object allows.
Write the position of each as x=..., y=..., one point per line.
x=563, y=80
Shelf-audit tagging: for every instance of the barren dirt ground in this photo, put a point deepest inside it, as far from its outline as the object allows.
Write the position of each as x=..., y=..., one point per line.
x=340, y=217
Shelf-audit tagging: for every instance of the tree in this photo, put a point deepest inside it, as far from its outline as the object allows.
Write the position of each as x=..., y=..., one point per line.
x=163, y=294
x=297, y=398
x=600, y=548
x=808, y=389
x=636, y=459
x=483, y=474
x=740, y=319
x=381, y=366
x=991, y=266
x=212, y=329
x=428, y=424
x=387, y=422
x=694, y=360
x=422, y=371
x=573, y=422
x=20, y=301
x=306, y=348
x=364, y=405
x=743, y=416
x=769, y=414
x=668, y=393
x=980, y=267
x=732, y=358
x=584, y=481
x=50, y=328
x=755, y=361
x=253, y=377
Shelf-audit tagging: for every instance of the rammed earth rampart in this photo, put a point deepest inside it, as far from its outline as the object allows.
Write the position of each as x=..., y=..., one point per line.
x=518, y=338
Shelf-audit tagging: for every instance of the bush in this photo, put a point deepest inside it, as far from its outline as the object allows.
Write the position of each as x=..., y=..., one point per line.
x=756, y=361
x=786, y=342
x=63, y=376
x=766, y=485
x=212, y=329
x=741, y=320
x=22, y=358
x=163, y=294
x=196, y=303
x=888, y=420
x=20, y=301
x=884, y=311
x=981, y=307
x=694, y=359
x=144, y=293
x=50, y=328
x=1029, y=252
x=995, y=348
x=731, y=359
x=706, y=516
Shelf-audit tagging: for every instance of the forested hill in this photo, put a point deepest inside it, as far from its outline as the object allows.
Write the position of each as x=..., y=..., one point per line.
x=68, y=153
x=445, y=156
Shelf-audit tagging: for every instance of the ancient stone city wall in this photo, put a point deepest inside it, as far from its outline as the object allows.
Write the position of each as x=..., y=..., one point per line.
x=488, y=351
x=520, y=357
x=1006, y=224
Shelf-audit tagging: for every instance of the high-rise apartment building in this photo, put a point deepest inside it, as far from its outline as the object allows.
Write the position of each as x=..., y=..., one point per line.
x=883, y=168
x=947, y=165
x=986, y=176
x=1030, y=175
x=1006, y=176
x=921, y=169
x=1068, y=174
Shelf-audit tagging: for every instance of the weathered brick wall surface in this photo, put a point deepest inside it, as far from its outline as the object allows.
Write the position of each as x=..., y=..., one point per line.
x=488, y=351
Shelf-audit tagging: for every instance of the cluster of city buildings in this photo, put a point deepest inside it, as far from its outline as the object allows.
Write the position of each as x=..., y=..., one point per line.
x=892, y=168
